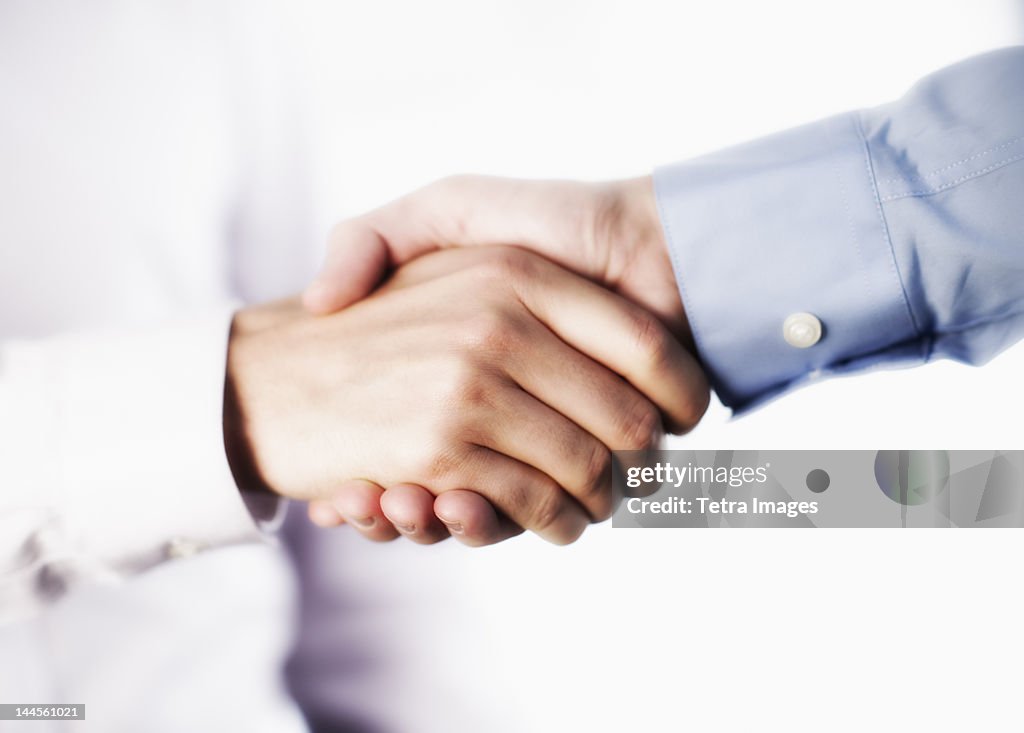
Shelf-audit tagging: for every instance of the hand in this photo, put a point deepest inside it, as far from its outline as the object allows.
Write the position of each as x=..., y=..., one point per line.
x=491, y=370
x=608, y=232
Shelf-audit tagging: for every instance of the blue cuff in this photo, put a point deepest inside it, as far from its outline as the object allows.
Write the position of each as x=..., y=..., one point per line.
x=786, y=224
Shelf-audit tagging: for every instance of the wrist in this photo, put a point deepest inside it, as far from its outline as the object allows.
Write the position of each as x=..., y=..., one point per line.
x=639, y=262
x=238, y=443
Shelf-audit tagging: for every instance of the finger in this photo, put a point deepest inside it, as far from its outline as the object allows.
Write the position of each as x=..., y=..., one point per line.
x=323, y=514
x=587, y=393
x=624, y=337
x=357, y=258
x=600, y=325
x=357, y=503
x=472, y=520
x=540, y=437
x=526, y=496
x=410, y=508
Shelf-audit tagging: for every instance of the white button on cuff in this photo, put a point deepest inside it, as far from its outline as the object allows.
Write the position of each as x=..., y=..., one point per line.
x=802, y=330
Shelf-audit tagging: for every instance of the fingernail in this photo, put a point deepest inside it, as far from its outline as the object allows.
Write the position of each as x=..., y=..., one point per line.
x=406, y=528
x=454, y=527
x=361, y=522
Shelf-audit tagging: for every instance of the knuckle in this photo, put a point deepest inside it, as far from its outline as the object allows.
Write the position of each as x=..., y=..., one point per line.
x=653, y=342
x=469, y=392
x=463, y=401
x=696, y=406
x=447, y=194
x=491, y=330
x=441, y=466
x=454, y=434
x=639, y=427
x=547, y=510
x=595, y=490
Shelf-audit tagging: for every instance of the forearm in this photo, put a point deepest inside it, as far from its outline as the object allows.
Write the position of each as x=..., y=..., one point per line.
x=897, y=228
x=113, y=457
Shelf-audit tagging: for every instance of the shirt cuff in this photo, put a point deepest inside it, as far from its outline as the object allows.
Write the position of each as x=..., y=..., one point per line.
x=789, y=225
x=146, y=477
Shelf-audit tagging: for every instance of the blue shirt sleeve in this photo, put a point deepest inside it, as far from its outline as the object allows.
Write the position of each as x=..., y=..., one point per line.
x=898, y=230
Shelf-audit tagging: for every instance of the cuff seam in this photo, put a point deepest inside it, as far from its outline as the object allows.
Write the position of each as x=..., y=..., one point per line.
x=893, y=265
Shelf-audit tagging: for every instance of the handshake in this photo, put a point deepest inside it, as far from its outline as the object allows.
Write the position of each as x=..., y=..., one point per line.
x=466, y=361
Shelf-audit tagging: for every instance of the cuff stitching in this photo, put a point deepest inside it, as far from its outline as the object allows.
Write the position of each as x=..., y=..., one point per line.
x=894, y=268
x=951, y=166
x=957, y=181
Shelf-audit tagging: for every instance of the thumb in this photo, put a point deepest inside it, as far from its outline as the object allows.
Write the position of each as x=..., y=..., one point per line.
x=460, y=211
x=357, y=258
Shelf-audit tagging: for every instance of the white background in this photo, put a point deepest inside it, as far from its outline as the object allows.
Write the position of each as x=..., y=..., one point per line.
x=664, y=630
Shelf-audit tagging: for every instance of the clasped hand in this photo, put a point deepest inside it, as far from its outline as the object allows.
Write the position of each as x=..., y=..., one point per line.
x=478, y=391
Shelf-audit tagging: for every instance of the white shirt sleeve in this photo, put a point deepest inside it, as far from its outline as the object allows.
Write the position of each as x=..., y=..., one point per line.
x=112, y=370
x=112, y=457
